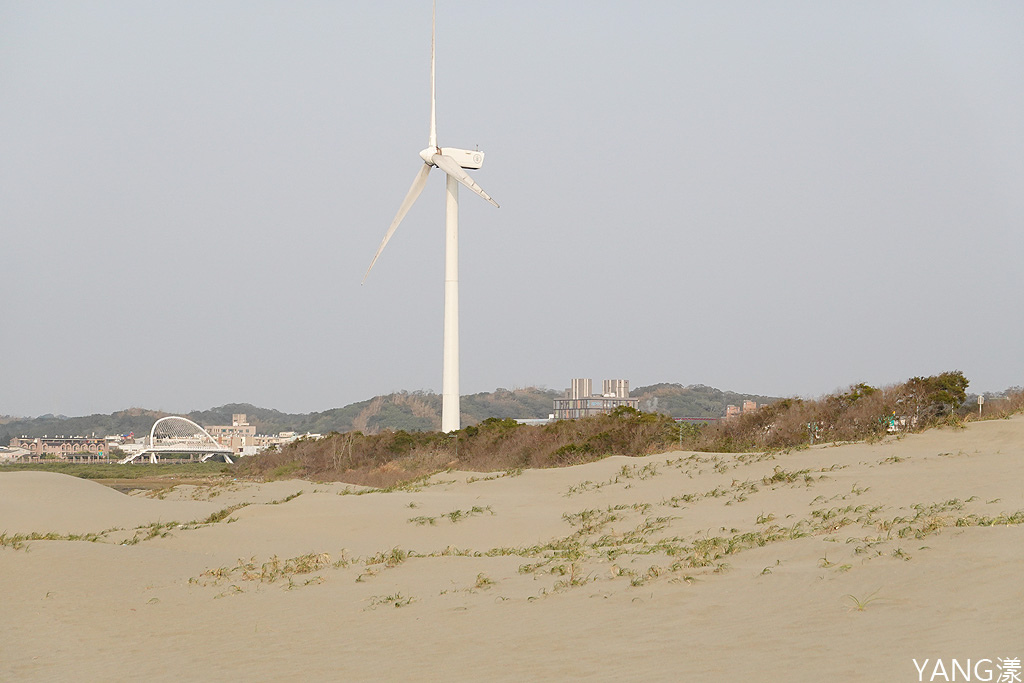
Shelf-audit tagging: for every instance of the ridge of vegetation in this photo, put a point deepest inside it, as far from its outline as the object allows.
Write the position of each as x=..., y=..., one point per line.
x=861, y=412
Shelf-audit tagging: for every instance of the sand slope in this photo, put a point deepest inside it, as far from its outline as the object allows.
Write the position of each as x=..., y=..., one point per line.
x=46, y=502
x=832, y=563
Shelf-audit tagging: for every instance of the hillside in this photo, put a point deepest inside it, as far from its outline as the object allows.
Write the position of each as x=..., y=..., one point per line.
x=135, y=420
x=410, y=411
x=695, y=400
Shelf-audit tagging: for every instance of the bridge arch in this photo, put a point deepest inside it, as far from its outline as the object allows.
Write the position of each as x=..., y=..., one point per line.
x=179, y=436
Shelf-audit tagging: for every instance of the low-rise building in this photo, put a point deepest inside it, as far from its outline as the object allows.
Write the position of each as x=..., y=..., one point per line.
x=12, y=453
x=236, y=436
x=735, y=411
x=241, y=437
x=263, y=442
x=66, y=447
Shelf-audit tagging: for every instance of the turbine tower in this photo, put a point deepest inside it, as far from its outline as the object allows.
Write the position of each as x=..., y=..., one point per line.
x=452, y=161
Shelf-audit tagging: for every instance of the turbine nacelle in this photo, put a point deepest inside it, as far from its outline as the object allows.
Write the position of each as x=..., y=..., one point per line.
x=465, y=158
x=452, y=161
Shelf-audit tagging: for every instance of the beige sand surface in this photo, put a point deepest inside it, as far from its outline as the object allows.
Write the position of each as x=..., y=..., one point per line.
x=682, y=566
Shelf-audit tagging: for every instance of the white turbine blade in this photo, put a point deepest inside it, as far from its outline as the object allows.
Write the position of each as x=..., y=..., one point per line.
x=432, y=142
x=452, y=168
x=414, y=192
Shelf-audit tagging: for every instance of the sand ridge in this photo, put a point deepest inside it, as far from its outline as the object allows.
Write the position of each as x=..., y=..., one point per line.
x=841, y=561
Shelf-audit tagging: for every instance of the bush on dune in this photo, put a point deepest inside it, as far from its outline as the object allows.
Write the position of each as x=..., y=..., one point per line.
x=861, y=412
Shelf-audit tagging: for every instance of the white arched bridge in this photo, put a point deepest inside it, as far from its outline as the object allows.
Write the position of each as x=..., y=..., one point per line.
x=179, y=436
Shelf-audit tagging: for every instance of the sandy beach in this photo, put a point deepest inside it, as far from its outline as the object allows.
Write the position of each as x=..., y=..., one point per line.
x=834, y=563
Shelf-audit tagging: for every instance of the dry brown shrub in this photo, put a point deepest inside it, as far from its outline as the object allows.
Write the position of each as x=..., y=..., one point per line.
x=998, y=407
x=385, y=459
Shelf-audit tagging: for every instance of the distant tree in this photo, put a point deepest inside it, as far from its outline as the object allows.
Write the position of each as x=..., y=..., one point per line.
x=935, y=396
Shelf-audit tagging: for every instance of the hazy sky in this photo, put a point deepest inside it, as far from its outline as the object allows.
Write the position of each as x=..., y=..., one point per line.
x=778, y=198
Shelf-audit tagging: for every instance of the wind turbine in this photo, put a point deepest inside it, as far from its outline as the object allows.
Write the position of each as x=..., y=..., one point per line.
x=452, y=161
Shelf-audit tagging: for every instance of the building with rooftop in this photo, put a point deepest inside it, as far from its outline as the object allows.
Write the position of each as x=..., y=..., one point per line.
x=579, y=401
x=236, y=436
x=63, y=447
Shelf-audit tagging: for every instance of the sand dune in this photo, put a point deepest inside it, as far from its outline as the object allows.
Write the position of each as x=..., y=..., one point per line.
x=839, y=562
x=45, y=502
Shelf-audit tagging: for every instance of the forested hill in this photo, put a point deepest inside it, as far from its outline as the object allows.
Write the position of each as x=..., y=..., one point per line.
x=695, y=400
x=411, y=411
